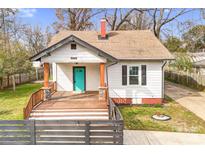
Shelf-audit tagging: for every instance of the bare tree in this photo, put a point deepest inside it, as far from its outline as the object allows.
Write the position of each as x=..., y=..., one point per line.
x=121, y=18
x=35, y=39
x=75, y=19
x=161, y=17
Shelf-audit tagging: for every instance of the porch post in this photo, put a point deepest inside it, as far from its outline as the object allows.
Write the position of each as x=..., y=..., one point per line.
x=102, y=74
x=46, y=88
x=102, y=88
x=46, y=75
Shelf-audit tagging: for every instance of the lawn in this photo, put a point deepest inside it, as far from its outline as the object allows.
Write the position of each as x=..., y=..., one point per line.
x=139, y=118
x=12, y=103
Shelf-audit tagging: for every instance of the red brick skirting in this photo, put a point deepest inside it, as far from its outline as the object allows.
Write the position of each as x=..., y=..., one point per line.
x=144, y=100
x=152, y=100
x=122, y=100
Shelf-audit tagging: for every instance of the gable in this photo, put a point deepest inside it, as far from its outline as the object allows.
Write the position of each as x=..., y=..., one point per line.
x=65, y=54
x=71, y=38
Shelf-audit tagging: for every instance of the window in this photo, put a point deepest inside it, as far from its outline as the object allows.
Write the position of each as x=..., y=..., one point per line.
x=124, y=75
x=134, y=75
x=144, y=75
x=73, y=46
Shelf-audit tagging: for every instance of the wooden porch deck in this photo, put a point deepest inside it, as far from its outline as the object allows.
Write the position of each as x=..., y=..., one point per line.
x=67, y=105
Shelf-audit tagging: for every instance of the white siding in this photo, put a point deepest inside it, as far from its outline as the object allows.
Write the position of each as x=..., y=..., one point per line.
x=64, y=55
x=64, y=75
x=153, y=89
x=54, y=71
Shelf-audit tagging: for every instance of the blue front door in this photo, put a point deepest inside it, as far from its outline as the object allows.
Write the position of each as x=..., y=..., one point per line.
x=79, y=79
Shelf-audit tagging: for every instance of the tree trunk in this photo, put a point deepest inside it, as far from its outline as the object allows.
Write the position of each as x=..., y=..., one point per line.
x=1, y=82
x=13, y=82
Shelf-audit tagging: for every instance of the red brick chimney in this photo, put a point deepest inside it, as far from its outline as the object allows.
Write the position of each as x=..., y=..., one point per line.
x=103, y=28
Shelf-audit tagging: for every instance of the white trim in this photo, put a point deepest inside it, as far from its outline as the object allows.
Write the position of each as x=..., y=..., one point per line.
x=139, y=75
x=128, y=75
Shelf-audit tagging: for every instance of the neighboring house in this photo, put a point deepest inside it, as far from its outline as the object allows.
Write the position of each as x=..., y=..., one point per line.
x=198, y=60
x=128, y=63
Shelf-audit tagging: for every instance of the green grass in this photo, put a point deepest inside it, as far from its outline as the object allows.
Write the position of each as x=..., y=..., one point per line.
x=12, y=103
x=139, y=118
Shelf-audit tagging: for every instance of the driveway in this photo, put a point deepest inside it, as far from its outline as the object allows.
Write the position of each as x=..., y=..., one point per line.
x=137, y=137
x=191, y=99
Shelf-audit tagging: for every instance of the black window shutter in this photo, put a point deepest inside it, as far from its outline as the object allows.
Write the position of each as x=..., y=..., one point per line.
x=144, y=74
x=124, y=74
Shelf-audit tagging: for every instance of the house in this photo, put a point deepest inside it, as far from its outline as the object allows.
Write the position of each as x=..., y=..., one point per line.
x=198, y=60
x=129, y=64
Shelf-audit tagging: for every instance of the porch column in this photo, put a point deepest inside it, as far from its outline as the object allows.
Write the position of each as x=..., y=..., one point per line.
x=46, y=75
x=102, y=88
x=102, y=74
x=46, y=88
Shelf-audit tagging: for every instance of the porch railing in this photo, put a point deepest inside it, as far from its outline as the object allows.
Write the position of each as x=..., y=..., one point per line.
x=114, y=112
x=36, y=98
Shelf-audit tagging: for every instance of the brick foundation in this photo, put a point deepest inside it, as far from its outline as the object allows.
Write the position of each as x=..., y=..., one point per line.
x=152, y=100
x=144, y=100
x=122, y=100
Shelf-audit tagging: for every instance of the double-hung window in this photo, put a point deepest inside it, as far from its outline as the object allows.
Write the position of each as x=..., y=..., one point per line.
x=133, y=75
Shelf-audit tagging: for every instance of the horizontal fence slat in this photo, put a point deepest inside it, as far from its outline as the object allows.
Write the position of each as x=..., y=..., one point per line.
x=61, y=139
x=15, y=138
x=14, y=127
x=105, y=139
x=56, y=143
x=104, y=133
x=9, y=133
x=60, y=127
x=103, y=127
x=14, y=122
x=14, y=143
x=60, y=133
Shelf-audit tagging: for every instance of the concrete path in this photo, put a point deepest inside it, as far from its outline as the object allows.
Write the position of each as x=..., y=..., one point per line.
x=191, y=99
x=136, y=137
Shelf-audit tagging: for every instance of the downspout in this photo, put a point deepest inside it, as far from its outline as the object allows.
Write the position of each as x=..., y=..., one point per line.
x=107, y=70
x=108, y=84
x=163, y=87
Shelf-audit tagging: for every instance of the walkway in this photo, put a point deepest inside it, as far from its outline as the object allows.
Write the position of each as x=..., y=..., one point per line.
x=191, y=99
x=136, y=137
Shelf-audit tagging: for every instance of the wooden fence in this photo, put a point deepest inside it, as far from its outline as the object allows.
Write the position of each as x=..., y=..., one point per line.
x=190, y=79
x=61, y=132
x=20, y=79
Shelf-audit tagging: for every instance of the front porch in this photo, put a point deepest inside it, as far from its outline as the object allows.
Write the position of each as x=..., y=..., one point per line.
x=68, y=105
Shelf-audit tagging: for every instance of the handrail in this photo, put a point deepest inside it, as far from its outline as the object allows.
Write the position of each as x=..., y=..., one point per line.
x=114, y=112
x=36, y=98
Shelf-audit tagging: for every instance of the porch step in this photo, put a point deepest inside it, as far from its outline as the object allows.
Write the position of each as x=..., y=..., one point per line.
x=70, y=110
x=70, y=114
x=71, y=118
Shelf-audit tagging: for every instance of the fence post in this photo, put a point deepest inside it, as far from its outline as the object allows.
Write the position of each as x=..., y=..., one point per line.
x=87, y=132
x=33, y=132
x=121, y=126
